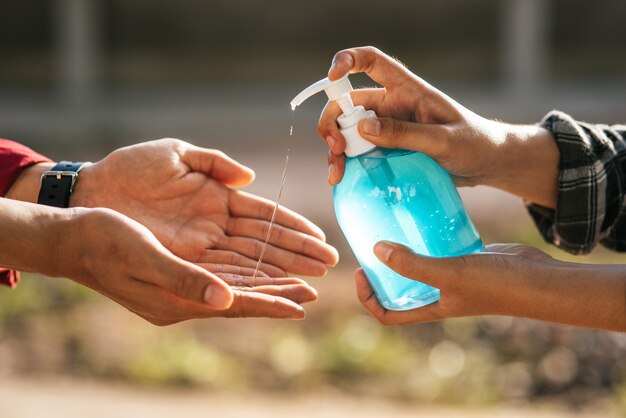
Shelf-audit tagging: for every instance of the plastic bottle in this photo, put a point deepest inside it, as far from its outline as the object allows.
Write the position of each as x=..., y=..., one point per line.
x=394, y=195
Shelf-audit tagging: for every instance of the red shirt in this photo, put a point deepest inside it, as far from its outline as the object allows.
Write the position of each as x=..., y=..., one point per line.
x=14, y=158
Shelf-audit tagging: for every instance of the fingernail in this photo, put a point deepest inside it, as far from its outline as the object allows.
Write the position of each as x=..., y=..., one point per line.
x=383, y=251
x=371, y=126
x=300, y=314
x=331, y=170
x=217, y=297
x=330, y=141
x=332, y=66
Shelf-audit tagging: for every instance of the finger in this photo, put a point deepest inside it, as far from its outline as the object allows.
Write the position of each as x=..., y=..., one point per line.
x=379, y=66
x=214, y=256
x=288, y=261
x=253, y=304
x=366, y=295
x=281, y=237
x=159, y=306
x=327, y=127
x=231, y=270
x=185, y=280
x=433, y=271
x=165, y=308
x=298, y=293
x=368, y=299
x=251, y=281
x=336, y=168
x=250, y=206
x=218, y=165
x=430, y=139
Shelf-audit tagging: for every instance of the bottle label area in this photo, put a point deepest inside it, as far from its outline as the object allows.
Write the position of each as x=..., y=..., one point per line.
x=407, y=199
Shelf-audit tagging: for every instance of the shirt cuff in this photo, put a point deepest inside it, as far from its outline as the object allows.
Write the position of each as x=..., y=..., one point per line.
x=577, y=224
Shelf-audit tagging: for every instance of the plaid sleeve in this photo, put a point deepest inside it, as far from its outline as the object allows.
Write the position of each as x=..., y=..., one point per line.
x=591, y=191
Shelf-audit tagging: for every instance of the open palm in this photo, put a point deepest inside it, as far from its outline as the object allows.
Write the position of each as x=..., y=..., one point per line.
x=181, y=193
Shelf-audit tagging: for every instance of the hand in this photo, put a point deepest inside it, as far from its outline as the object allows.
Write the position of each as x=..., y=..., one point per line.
x=414, y=115
x=505, y=279
x=179, y=192
x=123, y=260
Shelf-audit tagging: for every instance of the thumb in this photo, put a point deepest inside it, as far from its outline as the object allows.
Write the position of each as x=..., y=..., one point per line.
x=219, y=166
x=189, y=281
x=394, y=133
x=401, y=259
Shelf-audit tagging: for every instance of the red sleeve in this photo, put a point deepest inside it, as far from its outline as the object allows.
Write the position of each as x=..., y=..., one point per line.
x=14, y=158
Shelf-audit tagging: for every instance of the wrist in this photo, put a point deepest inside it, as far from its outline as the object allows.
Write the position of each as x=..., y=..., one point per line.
x=84, y=187
x=34, y=237
x=72, y=238
x=59, y=237
x=26, y=187
x=528, y=163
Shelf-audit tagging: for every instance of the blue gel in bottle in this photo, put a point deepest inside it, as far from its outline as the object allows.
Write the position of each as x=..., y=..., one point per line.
x=405, y=197
x=393, y=195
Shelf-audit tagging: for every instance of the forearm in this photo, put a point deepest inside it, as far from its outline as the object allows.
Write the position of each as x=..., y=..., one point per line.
x=26, y=186
x=592, y=296
x=528, y=164
x=31, y=236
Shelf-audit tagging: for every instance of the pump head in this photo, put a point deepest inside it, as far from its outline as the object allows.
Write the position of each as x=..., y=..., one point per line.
x=339, y=91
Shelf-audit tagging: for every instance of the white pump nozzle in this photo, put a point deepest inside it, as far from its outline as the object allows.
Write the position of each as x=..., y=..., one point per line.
x=339, y=91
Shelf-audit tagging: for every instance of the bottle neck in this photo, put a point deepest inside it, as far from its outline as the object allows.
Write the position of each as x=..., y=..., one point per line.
x=380, y=152
x=349, y=123
x=346, y=105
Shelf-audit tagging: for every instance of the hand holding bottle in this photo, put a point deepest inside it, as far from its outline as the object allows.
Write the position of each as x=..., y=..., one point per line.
x=396, y=195
x=504, y=279
x=414, y=115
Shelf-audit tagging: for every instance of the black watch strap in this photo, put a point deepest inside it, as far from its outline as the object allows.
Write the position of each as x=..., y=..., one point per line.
x=57, y=184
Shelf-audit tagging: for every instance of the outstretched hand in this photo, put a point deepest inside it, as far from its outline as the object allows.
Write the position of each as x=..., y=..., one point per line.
x=121, y=259
x=181, y=193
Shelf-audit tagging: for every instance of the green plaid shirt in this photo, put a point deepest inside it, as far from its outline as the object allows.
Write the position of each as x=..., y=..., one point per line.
x=591, y=205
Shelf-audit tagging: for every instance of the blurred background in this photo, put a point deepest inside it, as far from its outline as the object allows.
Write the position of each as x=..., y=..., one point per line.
x=79, y=78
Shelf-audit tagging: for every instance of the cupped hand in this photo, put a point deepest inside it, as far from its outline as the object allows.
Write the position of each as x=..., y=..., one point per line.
x=123, y=260
x=183, y=195
x=413, y=115
x=494, y=282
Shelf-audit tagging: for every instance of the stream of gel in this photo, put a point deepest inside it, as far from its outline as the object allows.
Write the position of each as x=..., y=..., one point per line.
x=273, y=219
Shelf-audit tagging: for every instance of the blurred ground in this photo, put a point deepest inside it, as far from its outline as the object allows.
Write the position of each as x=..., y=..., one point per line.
x=25, y=398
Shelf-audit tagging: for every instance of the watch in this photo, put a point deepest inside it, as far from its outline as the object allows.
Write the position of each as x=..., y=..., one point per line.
x=57, y=184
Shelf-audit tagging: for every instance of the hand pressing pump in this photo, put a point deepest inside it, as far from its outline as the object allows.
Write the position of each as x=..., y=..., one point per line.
x=393, y=195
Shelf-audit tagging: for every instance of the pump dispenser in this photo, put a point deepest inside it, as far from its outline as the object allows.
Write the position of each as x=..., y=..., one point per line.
x=394, y=195
x=339, y=91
